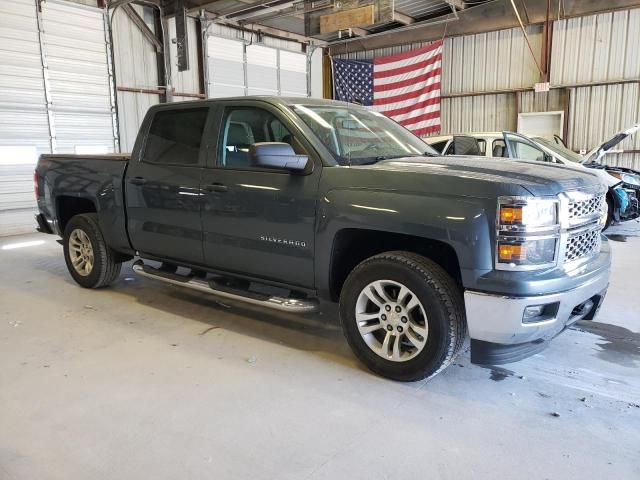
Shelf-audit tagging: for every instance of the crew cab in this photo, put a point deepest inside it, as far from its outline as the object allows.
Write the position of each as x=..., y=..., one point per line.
x=282, y=202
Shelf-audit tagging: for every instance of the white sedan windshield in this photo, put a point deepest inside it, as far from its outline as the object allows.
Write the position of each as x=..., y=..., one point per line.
x=356, y=135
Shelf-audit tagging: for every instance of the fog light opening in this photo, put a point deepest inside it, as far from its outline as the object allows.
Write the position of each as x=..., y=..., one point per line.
x=540, y=313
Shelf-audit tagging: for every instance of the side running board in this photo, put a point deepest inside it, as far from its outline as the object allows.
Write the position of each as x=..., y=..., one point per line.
x=283, y=304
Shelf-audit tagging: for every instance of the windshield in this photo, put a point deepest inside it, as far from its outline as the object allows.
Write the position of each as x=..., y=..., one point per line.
x=358, y=136
x=561, y=150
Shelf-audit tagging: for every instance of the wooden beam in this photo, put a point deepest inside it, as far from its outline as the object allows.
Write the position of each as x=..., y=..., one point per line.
x=139, y=22
x=343, y=19
x=402, y=18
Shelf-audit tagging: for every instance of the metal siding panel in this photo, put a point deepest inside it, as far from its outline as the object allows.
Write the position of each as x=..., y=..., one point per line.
x=596, y=48
x=551, y=101
x=135, y=66
x=478, y=113
x=189, y=80
x=631, y=39
x=597, y=113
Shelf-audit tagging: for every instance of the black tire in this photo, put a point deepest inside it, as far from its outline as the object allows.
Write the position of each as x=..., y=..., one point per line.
x=105, y=268
x=439, y=295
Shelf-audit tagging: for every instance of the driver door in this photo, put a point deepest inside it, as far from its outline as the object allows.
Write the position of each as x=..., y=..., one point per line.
x=257, y=222
x=519, y=146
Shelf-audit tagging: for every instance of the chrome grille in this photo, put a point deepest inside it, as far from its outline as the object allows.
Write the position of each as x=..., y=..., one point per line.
x=585, y=208
x=582, y=245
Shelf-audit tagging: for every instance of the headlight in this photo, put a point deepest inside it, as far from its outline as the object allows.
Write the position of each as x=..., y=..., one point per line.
x=631, y=179
x=523, y=252
x=527, y=214
x=527, y=233
x=625, y=177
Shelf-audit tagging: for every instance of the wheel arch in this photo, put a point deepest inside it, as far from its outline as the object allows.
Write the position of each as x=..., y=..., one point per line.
x=354, y=245
x=68, y=206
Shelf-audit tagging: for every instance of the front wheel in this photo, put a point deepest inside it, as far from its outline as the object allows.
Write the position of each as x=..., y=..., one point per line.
x=90, y=261
x=403, y=316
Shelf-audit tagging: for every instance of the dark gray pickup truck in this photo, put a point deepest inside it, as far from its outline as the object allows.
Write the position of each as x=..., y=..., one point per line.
x=280, y=202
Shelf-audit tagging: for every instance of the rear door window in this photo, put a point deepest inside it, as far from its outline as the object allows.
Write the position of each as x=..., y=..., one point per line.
x=175, y=137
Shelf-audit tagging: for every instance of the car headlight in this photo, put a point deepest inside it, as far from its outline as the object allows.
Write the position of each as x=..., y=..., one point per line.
x=527, y=233
x=527, y=213
x=631, y=179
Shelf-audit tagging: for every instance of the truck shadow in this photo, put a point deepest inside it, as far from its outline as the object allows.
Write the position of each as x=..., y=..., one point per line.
x=319, y=333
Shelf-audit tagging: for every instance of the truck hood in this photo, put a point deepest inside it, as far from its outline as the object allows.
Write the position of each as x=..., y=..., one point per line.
x=595, y=155
x=539, y=179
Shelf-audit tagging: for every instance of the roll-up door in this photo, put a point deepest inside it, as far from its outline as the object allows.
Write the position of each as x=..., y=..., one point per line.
x=293, y=74
x=262, y=70
x=75, y=52
x=225, y=67
x=55, y=95
x=24, y=129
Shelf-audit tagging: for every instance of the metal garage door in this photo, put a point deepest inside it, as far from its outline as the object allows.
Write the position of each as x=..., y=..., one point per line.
x=24, y=129
x=75, y=52
x=225, y=67
x=64, y=48
x=236, y=70
x=293, y=74
x=262, y=70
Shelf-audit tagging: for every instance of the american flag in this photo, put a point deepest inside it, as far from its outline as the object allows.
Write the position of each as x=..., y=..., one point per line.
x=405, y=87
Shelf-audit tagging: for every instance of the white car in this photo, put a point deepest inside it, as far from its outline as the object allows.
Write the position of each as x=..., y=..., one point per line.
x=622, y=202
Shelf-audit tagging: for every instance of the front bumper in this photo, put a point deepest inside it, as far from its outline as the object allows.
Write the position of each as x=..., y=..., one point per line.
x=498, y=333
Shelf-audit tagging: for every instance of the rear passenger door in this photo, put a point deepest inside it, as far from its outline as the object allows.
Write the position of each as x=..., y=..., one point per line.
x=258, y=222
x=162, y=187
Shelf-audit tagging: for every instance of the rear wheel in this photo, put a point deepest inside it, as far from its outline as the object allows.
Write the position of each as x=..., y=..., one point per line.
x=90, y=261
x=403, y=316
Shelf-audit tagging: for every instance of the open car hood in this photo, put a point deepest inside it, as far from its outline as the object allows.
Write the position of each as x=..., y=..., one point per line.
x=597, y=153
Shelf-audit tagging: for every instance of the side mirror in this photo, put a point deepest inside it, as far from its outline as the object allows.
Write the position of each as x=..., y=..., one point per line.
x=279, y=156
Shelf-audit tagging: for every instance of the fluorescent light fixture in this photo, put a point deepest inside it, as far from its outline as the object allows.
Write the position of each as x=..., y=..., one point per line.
x=13, y=246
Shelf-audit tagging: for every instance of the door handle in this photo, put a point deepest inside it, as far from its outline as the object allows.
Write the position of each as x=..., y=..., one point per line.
x=138, y=181
x=216, y=187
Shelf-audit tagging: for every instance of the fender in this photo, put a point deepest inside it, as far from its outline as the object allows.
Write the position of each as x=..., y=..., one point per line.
x=464, y=223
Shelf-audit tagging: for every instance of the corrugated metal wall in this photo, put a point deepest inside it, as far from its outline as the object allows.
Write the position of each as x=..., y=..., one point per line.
x=189, y=80
x=551, y=101
x=490, y=61
x=479, y=113
x=136, y=67
x=596, y=48
x=597, y=113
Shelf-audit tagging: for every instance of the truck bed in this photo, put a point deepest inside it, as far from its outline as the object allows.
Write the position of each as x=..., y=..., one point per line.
x=65, y=180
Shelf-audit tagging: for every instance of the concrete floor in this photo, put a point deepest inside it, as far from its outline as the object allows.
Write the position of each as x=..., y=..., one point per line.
x=146, y=381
